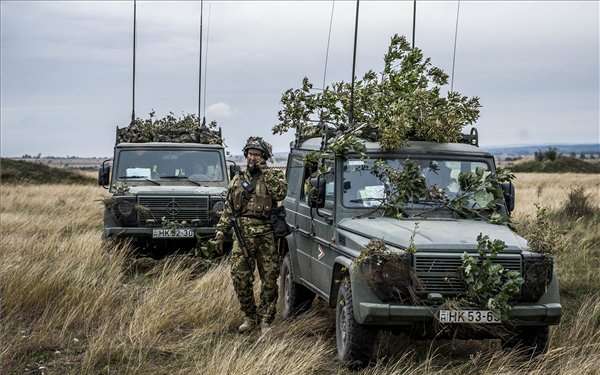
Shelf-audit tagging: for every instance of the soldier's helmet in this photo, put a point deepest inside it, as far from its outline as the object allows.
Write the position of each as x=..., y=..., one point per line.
x=259, y=144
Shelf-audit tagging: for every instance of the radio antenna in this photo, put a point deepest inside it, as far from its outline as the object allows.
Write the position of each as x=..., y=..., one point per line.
x=454, y=53
x=328, y=40
x=351, y=111
x=325, y=126
x=133, y=84
x=200, y=64
x=206, y=65
x=414, y=22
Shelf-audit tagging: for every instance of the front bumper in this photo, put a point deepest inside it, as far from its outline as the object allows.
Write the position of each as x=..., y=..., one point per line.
x=395, y=314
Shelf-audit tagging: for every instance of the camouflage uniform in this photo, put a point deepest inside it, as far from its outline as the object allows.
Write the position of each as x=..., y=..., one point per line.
x=253, y=210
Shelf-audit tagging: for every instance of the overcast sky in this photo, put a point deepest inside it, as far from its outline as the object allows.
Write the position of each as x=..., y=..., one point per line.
x=66, y=67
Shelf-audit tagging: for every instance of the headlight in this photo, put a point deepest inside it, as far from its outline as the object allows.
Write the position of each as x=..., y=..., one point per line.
x=216, y=209
x=124, y=210
x=537, y=274
x=389, y=276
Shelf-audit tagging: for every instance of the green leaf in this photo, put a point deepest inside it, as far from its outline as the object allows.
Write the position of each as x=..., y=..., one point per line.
x=483, y=198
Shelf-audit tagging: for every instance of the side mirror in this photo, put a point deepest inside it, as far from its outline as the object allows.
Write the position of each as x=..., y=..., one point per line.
x=316, y=198
x=509, y=195
x=104, y=175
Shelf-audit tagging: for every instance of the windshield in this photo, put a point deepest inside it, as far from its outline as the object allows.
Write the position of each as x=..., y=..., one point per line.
x=166, y=166
x=363, y=187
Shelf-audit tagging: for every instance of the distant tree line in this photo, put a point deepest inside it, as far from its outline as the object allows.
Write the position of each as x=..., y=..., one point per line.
x=39, y=156
x=552, y=154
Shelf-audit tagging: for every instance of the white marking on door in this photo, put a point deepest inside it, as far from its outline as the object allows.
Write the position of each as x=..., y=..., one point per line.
x=321, y=252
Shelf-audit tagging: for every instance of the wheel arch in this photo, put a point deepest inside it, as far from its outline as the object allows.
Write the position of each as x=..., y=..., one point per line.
x=283, y=247
x=341, y=268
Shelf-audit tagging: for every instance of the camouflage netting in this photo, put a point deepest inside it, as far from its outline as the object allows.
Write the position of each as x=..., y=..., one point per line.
x=388, y=273
x=170, y=129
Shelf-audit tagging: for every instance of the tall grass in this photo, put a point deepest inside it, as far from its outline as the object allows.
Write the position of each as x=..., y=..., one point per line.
x=70, y=307
x=551, y=190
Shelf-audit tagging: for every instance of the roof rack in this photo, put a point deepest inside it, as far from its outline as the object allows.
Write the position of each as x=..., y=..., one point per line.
x=471, y=139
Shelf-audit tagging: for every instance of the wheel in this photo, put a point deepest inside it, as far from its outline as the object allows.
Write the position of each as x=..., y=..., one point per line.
x=354, y=341
x=532, y=340
x=294, y=298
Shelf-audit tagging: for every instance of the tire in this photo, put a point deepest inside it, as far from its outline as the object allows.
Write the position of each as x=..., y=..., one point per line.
x=294, y=298
x=530, y=340
x=354, y=341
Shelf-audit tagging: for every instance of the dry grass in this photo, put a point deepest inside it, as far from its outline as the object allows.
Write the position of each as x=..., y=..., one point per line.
x=70, y=308
x=551, y=190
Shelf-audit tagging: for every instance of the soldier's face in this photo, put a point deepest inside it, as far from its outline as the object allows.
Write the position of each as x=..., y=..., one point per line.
x=254, y=157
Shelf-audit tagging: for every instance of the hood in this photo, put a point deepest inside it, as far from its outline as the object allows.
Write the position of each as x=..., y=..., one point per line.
x=178, y=190
x=432, y=234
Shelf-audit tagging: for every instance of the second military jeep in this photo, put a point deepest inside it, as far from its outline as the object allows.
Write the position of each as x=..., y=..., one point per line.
x=167, y=186
x=337, y=210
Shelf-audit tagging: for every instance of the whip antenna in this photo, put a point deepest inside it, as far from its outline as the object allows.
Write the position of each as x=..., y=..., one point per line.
x=351, y=112
x=328, y=40
x=200, y=64
x=414, y=22
x=325, y=127
x=454, y=53
x=206, y=65
x=133, y=84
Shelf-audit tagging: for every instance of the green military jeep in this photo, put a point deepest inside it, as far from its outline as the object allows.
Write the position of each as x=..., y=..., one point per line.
x=337, y=210
x=167, y=188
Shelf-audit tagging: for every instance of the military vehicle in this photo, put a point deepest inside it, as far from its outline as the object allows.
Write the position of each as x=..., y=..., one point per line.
x=336, y=210
x=167, y=195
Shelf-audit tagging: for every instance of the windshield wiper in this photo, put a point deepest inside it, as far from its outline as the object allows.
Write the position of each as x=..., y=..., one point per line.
x=432, y=204
x=181, y=178
x=369, y=199
x=144, y=177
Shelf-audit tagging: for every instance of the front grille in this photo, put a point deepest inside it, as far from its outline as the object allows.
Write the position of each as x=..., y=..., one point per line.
x=439, y=272
x=175, y=208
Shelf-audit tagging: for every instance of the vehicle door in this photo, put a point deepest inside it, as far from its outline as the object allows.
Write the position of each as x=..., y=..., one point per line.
x=298, y=215
x=323, y=255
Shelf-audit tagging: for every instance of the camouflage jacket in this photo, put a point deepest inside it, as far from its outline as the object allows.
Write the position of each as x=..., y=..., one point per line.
x=254, y=208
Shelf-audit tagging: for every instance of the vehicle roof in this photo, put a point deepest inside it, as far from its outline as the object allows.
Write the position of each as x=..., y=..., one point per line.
x=412, y=147
x=157, y=145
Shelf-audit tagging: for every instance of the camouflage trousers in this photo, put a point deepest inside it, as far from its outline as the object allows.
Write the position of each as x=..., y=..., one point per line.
x=262, y=254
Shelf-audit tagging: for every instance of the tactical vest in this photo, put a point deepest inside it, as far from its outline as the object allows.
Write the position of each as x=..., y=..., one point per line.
x=258, y=203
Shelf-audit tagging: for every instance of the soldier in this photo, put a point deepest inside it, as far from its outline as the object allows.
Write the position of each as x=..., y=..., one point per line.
x=251, y=195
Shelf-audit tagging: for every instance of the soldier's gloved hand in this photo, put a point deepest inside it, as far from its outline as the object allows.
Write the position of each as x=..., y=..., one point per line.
x=263, y=165
x=219, y=239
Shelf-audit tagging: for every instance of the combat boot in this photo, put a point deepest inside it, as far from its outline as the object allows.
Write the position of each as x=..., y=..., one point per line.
x=247, y=325
x=264, y=328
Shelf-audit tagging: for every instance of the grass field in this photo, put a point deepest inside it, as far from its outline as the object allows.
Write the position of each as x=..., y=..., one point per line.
x=70, y=308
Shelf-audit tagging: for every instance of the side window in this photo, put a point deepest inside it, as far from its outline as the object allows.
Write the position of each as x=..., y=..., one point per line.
x=294, y=175
x=329, y=185
x=308, y=171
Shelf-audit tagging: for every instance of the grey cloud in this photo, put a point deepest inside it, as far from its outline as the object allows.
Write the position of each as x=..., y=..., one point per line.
x=66, y=66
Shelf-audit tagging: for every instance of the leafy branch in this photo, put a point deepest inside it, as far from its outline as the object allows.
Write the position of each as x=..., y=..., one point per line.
x=402, y=186
x=172, y=224
x=489, y=284
x=481, y=195
x=170, y=129
x=403, y=102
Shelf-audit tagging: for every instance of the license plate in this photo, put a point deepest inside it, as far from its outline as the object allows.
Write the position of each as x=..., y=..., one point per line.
x=172, y=233
x=467, y=316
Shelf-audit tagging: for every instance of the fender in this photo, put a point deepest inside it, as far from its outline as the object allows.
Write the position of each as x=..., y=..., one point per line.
x=342, y=267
